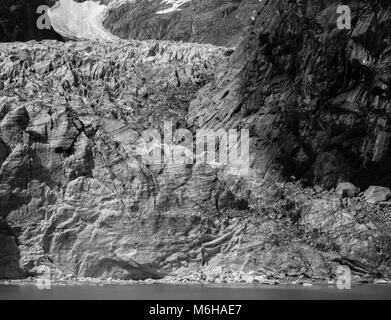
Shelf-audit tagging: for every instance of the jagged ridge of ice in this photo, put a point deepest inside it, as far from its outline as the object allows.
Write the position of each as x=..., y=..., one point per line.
x=79, y=20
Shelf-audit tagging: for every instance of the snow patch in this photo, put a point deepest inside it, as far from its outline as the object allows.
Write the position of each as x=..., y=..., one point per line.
x=175, y=5
x=80, y=20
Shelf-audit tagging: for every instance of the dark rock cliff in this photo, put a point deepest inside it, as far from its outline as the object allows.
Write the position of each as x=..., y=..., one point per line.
x=317, y=98
x=219, y=22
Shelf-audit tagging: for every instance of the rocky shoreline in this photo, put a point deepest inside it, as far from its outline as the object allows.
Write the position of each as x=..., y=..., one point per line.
x=169, y=281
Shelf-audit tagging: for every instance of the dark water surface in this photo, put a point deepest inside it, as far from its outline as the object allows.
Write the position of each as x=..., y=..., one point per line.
x=193, y=292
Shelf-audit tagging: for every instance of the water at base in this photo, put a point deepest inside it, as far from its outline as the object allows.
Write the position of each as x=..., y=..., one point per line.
x=193, y=292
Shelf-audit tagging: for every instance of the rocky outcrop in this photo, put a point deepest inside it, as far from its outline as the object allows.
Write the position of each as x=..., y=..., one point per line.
x=293, y=82
x=222, y=22
x=315, y=97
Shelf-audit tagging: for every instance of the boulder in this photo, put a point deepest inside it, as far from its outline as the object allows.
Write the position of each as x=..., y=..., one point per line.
x=347, y=190
x=375, y=194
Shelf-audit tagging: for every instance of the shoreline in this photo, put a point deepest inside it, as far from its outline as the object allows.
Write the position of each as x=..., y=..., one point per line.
x=31, y=281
